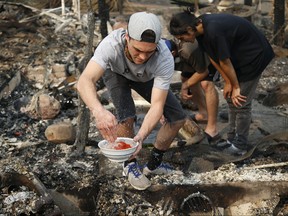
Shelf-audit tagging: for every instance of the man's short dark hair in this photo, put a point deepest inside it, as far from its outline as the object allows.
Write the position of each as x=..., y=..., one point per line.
x=181, y=21
x=148, y=36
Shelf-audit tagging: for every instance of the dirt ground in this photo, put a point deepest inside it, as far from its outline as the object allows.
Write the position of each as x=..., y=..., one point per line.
x=42, y=178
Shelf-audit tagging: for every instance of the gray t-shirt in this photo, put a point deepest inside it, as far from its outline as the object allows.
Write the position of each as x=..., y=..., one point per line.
x=110, y=55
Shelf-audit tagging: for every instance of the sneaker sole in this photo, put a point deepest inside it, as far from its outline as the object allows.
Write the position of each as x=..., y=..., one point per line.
x=233, y=150
x=238, y=151
x=135, y=187
x=138, y=188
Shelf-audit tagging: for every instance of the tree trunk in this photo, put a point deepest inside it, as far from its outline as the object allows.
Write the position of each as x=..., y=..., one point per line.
x=279, y=20
x=84, y=113
x=120, y=5
x=103, y=10
x=248, y=2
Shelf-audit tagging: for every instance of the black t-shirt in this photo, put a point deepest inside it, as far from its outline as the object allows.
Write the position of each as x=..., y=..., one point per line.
x=228, y=36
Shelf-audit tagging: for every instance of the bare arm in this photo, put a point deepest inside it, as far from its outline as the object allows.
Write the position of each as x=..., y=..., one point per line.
x=228, y=70
x=105, y=121
x=217, y=66
x=232, y=87
x=193, y=80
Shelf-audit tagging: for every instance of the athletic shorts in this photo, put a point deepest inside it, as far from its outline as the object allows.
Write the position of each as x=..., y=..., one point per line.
x=212, y=76
x=119, y=88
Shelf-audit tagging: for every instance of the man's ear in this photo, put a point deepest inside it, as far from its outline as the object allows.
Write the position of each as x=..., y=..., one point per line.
x=199, y=21
x=173, y=53
x=127, y=36
x=190, y=29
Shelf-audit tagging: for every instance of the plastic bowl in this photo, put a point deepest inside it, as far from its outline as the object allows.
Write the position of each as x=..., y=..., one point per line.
x=118, y=155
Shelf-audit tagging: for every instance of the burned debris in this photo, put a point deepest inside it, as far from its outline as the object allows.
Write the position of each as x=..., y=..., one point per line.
x=40, y=175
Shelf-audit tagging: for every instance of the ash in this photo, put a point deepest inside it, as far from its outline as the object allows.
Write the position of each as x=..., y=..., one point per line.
x=30, y=164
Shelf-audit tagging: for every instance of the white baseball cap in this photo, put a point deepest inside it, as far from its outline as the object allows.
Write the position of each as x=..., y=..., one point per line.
x=142, y=21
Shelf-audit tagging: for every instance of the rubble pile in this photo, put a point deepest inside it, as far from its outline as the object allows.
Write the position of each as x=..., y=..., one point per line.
x=41, y=177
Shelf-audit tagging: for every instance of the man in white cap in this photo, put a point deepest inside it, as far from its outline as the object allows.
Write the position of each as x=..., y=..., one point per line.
x=137, y=59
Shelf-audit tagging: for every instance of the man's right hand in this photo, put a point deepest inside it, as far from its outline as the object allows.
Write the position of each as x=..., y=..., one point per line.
x=138, y=139
x=185, y=95
x=106, y=123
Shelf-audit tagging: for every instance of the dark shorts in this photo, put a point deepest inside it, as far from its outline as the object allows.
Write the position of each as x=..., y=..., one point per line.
x=212, y=76
x=119, y=88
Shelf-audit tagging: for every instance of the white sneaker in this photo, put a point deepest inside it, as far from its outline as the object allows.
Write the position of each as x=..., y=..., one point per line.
x=162, y=169
x=135, y=176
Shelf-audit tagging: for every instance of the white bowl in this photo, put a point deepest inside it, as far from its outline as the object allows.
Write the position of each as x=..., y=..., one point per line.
x=118, y=155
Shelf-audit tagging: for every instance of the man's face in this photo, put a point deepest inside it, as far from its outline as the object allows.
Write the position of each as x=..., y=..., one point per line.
x=140, y=51
x=187, y=37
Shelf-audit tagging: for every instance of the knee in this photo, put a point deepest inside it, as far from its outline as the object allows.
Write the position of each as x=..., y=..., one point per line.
x=178, y=123
x=126, y=128
x=207, y=86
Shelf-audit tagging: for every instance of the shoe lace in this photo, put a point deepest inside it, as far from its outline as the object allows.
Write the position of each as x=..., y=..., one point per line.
x=134, y=169
x=165, y=166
